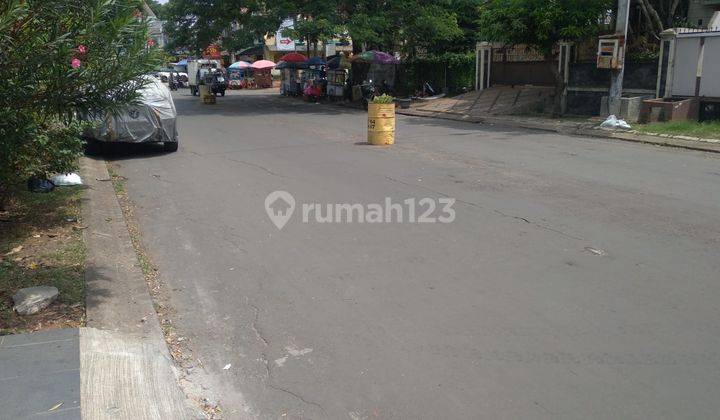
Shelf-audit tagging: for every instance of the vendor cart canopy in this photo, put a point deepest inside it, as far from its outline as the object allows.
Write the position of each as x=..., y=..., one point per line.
x=239, y=65
x=339, y=62
x=376, y=57
x=293, y=58
x=263, y=64
x=315, y=61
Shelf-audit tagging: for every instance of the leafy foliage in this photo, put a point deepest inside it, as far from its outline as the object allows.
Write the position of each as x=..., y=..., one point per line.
x=401, y=25
x=60, y=59
x=541, y=24
x=383, y=99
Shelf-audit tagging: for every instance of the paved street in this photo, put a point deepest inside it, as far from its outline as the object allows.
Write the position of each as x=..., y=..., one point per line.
x=580, y=278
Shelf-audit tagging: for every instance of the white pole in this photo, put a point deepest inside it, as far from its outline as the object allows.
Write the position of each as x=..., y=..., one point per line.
x=621, y=29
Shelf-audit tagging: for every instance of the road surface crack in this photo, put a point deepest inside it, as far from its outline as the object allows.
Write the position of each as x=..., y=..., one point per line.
x=255, y=165
x=298, y=397
x=266, y=362
x=254, y=326
x=496, y=211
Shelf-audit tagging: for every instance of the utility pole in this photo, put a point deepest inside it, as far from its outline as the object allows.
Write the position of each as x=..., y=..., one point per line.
x=622, y=22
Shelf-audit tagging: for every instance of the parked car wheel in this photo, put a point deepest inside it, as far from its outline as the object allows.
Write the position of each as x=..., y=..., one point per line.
x=93, y=147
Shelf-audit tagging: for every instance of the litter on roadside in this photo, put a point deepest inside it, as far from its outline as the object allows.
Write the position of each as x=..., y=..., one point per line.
x=66, y=179
x=39, y=185
x=613, y=123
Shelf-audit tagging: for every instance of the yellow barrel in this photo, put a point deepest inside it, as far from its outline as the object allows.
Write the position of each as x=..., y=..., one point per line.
x=381, y=124
x=206, y=95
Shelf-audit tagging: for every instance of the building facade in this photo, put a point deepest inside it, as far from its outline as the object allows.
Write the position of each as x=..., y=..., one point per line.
x=701, y=12
x=155, y=27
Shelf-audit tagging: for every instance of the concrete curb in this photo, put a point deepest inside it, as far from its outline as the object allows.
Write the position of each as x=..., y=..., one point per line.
x=126, y=368
x=578, y=129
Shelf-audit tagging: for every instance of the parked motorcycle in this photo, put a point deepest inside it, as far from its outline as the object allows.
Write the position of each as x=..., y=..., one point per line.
x=219, y=83
x=369, y=91
x=172, y=82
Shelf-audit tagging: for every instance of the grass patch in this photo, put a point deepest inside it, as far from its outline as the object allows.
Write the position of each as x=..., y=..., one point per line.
x=118, y=181
x=41, y=244
x=706, y=130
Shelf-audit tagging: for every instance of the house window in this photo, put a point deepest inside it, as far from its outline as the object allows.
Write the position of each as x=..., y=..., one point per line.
x=700, y=23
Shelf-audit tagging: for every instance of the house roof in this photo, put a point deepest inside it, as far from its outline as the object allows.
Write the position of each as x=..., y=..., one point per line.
x=254, y=50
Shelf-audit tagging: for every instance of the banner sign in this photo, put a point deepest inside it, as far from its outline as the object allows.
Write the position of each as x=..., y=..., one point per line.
x=285, y=43
x=212, y=52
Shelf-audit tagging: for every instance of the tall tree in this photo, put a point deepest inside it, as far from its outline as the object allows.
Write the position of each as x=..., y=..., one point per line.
x=315, y=21
x=541, y=24
x=402, y=25
x=663, y=14
x=407, y=26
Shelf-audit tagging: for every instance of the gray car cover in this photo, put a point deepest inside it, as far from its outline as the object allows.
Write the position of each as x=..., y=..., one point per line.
x=152, y=120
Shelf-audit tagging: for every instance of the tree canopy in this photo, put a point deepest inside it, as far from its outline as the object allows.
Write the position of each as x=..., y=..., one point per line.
x=541, y=24
x=411, y=27
x=396, y=25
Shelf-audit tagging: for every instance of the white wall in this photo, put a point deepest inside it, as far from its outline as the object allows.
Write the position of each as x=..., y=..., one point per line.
x=710, y=85
x=686, y=58
x=687, y=52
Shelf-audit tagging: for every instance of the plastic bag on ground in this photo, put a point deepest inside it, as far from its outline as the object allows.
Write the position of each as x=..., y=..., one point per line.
x=39, y=185
x=66, y=179
x=613, y=123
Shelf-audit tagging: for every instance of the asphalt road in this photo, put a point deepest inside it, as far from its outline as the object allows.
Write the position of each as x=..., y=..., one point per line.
x=580, y=278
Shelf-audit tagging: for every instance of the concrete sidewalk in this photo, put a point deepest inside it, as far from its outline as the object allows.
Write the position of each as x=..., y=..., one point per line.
x=40, y=375
x=86, y=373
x=119, y=366
x=127, y=370
x=564, y=126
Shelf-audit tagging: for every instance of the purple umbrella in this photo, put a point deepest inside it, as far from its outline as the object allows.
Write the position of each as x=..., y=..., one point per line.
x=378, y=57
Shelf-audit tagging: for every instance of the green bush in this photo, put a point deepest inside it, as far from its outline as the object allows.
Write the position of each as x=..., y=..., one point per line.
x=60, y=59
x=451, y=72
x=383, y=99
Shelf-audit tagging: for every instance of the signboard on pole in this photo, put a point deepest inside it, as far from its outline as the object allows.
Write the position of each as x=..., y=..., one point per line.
x=284, y=43
x=212, y=52
x=330, y=49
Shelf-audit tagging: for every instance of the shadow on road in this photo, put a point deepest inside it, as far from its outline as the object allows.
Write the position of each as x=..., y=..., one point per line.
x=124, y=151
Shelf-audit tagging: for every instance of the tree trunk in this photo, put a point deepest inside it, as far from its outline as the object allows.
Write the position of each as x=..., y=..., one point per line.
x=559, y=91
x=671, y=13
x=652, y=15
x=3, y=197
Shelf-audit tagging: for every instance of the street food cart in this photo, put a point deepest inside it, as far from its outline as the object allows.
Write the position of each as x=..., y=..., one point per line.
x=337, y=77
x=291, y=82
x=237, y=78
x=261, y=73
x=292, y=67
x=238, y=73
x=315, y=79
x=336, y=80
x=284, y=77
